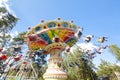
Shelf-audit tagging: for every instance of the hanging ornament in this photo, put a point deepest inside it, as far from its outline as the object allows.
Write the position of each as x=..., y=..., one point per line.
x=3, y=57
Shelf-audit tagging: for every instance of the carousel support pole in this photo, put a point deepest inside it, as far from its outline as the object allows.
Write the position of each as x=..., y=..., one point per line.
x=55, y=70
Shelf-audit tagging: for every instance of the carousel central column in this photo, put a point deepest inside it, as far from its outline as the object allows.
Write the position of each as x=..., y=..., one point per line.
x=55, y=70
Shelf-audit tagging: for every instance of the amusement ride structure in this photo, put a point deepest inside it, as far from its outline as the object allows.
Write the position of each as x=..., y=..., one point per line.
x=53, y=37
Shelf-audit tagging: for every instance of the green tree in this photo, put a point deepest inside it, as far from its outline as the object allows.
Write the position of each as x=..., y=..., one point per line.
x=7, y=22
x=116, y=51
x=20, y=39
x=104, y=69
x=77, y=66
x=108, y=69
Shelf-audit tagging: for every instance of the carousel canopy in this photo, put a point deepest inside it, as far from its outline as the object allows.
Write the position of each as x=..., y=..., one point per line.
x=50, y=32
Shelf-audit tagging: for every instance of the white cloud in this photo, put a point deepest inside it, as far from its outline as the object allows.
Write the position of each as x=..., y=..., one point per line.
x=4, y=3
x=14, y=34
x=87, y=46
x=118, y=63
x=84, y=47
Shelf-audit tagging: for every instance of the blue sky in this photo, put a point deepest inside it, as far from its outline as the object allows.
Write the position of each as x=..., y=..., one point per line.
x=97, y=17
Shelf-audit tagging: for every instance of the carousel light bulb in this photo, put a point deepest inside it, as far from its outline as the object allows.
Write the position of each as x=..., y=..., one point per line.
x=29, y=28
x=59, y=18
x=72, y=21
x=42, y=21
x=56, y=39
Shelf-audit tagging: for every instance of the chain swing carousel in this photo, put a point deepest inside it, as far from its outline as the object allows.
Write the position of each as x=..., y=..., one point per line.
x=15, y=66
x=53, y=37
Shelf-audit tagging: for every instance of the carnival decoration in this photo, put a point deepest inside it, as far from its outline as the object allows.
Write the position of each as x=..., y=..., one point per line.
x=53, y=37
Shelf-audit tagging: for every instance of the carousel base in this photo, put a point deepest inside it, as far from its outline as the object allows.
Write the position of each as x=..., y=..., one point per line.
x=55, y=74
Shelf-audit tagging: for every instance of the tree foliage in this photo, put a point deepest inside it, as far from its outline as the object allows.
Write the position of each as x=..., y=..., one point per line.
x=104, y=69
x=19, y=39
x=116, y=51
x=7, y=20
x=78, y=67
x=108, y=69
